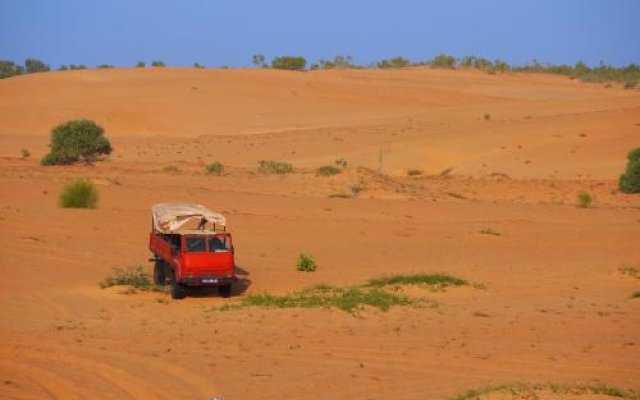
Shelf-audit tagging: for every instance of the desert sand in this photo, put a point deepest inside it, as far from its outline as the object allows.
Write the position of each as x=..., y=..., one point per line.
x=507, y=152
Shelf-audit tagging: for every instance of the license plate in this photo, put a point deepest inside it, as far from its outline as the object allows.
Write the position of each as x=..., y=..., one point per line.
x=209, y=280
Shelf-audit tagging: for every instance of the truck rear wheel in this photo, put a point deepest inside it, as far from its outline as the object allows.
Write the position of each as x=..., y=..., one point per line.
x=225, y=290
x=159, y=275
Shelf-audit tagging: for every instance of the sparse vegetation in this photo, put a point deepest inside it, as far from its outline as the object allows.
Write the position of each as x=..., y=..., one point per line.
x=32, y=66
x=105, y=66
x=396, y=62
x=340, y=196
x=291, y=63
x=487, y=117
x=338, y=62
x=198, y=66
x=341, y=162
x=274, y=167
x=306, y=263
x=171, y=169
x=158, y=63
x=215, y=168
x=349, y=300
x=79, y=193
x=141, y=64
x=584, y=199
x=259, y=61
x=456, y=195
x=74, y=140
x=414, y=172
x=439, y=280
x=629, y=271
x=25, y=153
x=630, y=181
x=490, y=231
x=135, y=276
x=328, y=170
x=531, y=391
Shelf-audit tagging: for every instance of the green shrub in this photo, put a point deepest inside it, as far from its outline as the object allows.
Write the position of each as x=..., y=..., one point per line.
x=274, y=167
x=135, y=276
x=441, y=280
x=584, y=199
x=306, y=263
x=158, y=63
x=338, y=62
x=443, y=61
x=259, y=61
x=141, y=64
x=9, y=68
x=25, y=153
x=75, y=140
x=198, y=66
x=289, y=63
x=105, y=66
x=630, y=180
x=214, y=168
x=79, y=194
x=328, y=170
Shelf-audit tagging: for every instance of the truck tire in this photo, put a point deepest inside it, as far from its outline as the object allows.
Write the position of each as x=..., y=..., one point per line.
x=225, y=290
x=159, y=275
x=178, y=291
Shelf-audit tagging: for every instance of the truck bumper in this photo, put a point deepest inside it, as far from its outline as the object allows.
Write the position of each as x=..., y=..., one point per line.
x=207, y=281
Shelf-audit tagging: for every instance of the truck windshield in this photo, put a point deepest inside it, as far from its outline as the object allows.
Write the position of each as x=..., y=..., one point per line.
x=219, y=243
x=195, y=244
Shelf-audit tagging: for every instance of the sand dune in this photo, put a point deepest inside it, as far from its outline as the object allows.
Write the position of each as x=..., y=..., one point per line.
x=551, y=305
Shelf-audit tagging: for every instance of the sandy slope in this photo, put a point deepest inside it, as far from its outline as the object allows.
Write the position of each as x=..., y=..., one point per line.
x=554, y=307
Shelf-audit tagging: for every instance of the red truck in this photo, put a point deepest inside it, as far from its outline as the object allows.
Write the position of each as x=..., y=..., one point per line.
x=191, y=248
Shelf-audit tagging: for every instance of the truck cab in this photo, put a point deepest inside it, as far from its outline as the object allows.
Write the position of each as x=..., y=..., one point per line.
x=191, y=248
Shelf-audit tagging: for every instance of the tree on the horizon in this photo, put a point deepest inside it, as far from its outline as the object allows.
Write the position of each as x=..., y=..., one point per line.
x=33, y=65
x=259, y=61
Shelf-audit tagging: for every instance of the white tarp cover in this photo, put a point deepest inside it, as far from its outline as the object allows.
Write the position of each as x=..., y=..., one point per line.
x=171, y=216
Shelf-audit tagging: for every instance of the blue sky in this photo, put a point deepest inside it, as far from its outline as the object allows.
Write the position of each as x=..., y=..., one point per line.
x=216, y=33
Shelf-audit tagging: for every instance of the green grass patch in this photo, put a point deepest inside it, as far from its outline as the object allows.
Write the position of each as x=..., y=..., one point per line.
x=349, y=299
x=441, y=280
x=135, y=276
x=274, y=167
x=79, y=193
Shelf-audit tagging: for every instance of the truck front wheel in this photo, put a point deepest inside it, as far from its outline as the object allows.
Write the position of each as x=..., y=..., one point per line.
x=225, y=290
x=159, y=276
x=178, y=291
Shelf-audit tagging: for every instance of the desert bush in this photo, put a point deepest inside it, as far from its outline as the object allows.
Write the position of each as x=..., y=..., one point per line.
x=291, y=63
x=79, y=193
x=158, y=63
x=274, y=167
x=338, y=62
x=170, y=169
x=105, y=66
x=341, y=162
x=9, y=68
x=414, y=172
x=259, y=61
x=487, y=117
x=32, y=66
x=443, y=61
x=306, y=263
x=490, y=231
x=135, y=276
x=328, y=170
x=584, y=199
x=198, y=66
x=25, y=153
x=63, y=67
x=74, y=67
x=214, y=168
x=396, y=62
x=630, y=180
x=75, y=140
